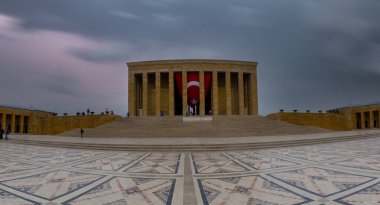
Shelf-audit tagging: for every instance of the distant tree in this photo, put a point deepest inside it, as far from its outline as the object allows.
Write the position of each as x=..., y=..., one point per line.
x=281, y=110
x=308, y=111
x=295, y=110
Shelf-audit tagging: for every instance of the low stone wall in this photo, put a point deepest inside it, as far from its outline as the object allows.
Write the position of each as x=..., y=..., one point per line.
x=59, y=124
x=331, y=121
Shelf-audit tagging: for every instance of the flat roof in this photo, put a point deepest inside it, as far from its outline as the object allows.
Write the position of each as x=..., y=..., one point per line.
x=187, y=61
x=25, y=108
x=358, y=105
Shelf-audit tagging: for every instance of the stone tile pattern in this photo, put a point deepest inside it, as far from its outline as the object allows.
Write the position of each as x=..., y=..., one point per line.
x=120, y=190
x=260, y=161
x=39, y=175
x=205, y=163
x=321, y=181
x=246, y=190
x=334, y=173
x=329, y=174
x=157, y=163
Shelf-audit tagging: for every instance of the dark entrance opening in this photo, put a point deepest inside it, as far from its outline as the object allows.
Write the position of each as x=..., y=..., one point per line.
x=17, y=128
x=358, y=120
x=375, y=119
x=366, y=119
x=26, y=124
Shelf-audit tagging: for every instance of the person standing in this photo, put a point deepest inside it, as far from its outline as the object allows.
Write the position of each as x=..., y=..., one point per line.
x=7, y=133
x=81, y=132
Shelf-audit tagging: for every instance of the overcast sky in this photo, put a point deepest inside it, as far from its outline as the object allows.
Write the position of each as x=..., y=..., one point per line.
x=67, y=56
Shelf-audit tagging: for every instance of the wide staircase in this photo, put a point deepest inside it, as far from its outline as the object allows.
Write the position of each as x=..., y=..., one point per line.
x=170, y=127
x=171, y=134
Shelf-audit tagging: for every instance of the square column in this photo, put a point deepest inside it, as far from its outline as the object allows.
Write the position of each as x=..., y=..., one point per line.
x=184, y=92
x=241, y=93
x=228, y=93
x=253, y=93
x=145, y=94
x=131, y=94
x=362, y=120
x=13, y=123
x=171, y=93
x=201, y=93
x=21, y=123
x=4, y=121
x=158, y=93
x=215, y=97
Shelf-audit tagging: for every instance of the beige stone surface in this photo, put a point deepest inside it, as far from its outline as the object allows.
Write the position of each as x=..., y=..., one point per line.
x=339, y=119
x=235, y=104
x=172, y=127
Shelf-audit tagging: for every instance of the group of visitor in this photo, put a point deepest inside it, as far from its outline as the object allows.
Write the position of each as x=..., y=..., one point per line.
x=6, y=131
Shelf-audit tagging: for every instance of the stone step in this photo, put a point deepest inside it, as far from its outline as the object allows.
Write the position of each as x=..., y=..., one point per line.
x=194, y=147
x=220, y=126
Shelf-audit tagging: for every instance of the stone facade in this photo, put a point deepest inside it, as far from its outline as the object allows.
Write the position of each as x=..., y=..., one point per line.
x=32, y=121
x=22, y=120
x=364, y=116
x=152, y=88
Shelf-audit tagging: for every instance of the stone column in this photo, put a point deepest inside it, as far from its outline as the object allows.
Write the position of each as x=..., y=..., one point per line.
x=13, y=123
x=21, y=123
x=253, y=94
x=215, y=100
x=228, y=93
x=131, y=94
x=201, y=93
x=158, y=93
x=4, y=121
x=171, y=93
x=241, y=93
x=184, y=92
x=145, y=94
x=362, y=120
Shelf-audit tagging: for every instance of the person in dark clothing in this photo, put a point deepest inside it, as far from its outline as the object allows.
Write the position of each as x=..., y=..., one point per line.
x=7, y=133
x=81, y=132
x=1, y=133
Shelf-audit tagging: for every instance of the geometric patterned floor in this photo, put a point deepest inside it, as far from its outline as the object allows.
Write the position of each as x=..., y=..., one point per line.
x=336, y=173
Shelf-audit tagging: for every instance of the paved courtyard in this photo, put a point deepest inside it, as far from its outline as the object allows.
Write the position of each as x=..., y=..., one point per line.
x=337, y=173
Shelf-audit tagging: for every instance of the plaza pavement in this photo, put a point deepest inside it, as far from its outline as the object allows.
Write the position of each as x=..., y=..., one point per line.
x=345, y=172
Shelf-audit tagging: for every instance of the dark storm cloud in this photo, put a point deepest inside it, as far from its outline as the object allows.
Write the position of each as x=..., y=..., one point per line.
x=311, y=54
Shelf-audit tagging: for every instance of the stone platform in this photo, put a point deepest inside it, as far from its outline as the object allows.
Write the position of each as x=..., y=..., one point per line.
x=194, y=127
x=193, y=144
x=345, y=172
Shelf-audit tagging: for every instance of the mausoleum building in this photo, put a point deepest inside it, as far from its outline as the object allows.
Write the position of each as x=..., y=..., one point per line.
x=192, y=87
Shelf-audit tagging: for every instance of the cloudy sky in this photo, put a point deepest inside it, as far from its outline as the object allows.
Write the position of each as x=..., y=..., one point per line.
x=65, y=56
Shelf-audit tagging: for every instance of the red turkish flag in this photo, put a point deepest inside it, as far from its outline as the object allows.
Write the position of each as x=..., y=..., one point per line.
x=193, y=85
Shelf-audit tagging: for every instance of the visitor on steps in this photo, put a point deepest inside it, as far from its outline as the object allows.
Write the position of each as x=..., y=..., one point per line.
x=1, y=133
x=81, y=132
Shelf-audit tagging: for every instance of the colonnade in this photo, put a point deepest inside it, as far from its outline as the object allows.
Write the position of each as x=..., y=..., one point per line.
x=367, y=119
x=235, y=91
x=16, y=123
